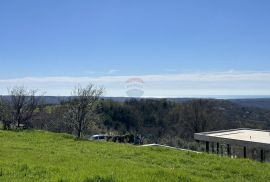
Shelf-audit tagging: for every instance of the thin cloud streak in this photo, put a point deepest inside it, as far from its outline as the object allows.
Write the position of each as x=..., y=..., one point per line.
x=160, y=85
x=203, y=77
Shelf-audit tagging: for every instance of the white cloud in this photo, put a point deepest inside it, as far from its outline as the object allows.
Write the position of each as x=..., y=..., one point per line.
x=93, y=72
x=167, y=85
x=204, y=77
x=112, y=71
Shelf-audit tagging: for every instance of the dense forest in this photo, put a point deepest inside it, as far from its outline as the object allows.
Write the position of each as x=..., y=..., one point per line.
x=171, y=123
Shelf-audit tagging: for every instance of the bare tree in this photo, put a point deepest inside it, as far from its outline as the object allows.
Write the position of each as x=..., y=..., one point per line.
x=82, y=107
x=23, y=104
x=199, y=115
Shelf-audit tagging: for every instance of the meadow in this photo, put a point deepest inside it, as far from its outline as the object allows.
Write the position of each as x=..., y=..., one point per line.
x=45, y=156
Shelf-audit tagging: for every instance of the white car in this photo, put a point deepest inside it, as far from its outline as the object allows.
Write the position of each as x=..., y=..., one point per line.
x=99, y=137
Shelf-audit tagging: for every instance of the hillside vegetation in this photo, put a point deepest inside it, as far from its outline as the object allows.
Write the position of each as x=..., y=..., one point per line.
x=163, y=121
x=157, y=121
x=44, y=156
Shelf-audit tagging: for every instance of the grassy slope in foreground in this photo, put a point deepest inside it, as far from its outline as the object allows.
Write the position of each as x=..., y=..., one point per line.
x=44, y=156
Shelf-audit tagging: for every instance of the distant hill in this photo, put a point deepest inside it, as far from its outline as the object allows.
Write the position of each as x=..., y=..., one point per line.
x=52, y=100
x=257, y=103
x=262, y=103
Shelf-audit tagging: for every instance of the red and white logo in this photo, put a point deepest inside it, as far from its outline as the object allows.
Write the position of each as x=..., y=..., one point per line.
x=134, y=87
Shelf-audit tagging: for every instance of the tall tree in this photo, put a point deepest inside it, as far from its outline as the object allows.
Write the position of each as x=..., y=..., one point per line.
x=82, y=107
x=23, y=103
x=198, y=115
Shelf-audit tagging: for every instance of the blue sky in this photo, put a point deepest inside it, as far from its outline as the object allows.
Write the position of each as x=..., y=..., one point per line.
x=95, y=41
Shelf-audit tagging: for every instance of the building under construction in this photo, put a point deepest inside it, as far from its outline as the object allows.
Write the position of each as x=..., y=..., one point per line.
x=243, y=142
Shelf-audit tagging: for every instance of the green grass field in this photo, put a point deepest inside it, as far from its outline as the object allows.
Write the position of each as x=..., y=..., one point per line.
x=44, y=156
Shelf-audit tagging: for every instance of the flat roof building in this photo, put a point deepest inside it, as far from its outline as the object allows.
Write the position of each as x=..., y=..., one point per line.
x=242, y=142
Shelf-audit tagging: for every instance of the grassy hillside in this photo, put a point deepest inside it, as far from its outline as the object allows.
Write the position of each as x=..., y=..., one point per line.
x=43, y=156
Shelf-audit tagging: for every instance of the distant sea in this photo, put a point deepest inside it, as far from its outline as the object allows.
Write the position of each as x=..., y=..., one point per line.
x=212, y=97
x=236, y=97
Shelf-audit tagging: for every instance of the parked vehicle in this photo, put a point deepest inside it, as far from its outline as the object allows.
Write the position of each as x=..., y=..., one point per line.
x=99, y=137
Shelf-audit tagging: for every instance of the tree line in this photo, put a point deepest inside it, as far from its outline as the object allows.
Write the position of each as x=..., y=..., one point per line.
x=162, y=121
